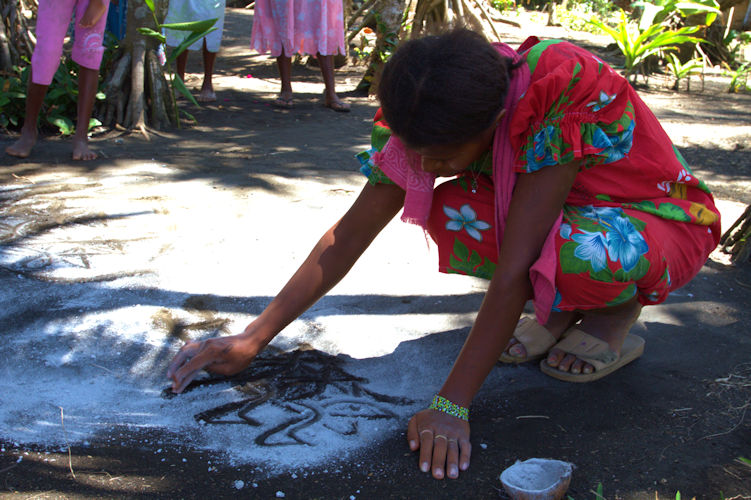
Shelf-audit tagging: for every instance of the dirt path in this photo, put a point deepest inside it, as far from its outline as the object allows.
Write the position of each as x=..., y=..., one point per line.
x=106, y=266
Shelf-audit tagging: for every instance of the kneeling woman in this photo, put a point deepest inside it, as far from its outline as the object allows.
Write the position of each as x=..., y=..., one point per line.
x=564, y=189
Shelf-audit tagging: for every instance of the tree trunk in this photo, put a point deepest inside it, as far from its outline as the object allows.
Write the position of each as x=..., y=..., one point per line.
x=426, y=17
x=737, y=240
x=137, y=93
x=389, y=16
x=16, y=38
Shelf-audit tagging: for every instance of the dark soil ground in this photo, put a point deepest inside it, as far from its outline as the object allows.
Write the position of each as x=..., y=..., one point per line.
x=675, y=420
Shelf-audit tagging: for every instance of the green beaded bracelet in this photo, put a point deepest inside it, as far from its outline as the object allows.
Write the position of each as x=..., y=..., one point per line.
x=442, y=404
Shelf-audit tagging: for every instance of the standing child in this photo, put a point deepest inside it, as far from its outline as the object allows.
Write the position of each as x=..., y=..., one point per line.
x=53, y=18
x=563, y=187
x=184, y=11
x=287, y=27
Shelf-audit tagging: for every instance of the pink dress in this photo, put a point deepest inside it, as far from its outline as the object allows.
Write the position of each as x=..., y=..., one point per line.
x=298, y=26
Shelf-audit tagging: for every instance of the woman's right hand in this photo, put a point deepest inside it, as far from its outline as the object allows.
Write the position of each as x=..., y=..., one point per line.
x=221, y=355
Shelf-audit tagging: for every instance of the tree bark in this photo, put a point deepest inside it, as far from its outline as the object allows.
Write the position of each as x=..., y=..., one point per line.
x=389, y=15
x=138, y=95
x=737, y=240
x=16, y=38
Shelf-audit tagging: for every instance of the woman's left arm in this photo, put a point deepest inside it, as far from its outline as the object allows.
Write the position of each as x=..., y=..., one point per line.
x=537, y=201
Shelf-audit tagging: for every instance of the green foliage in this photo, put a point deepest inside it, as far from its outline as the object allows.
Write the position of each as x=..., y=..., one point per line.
x=739, y=78
x=681, y=70
x=198, y=30
x=637, y=45
x=734, y=41
x=660, y=11
x=60, y=102
x=503, y=5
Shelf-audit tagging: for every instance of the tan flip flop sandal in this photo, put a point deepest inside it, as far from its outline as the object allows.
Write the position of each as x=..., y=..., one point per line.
x=596, y=352
x=535, y=338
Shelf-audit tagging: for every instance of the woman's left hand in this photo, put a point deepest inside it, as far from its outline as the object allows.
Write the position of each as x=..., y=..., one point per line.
x=443, y=441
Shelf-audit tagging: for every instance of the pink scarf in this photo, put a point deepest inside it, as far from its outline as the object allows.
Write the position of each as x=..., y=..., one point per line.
x=403, y=167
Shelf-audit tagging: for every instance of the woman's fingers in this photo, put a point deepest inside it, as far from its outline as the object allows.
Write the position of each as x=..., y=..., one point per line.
x=452, y=458
x=465, y=448
x=426, y=449
x=413, y=438
x=440, y=447
x=186, y=352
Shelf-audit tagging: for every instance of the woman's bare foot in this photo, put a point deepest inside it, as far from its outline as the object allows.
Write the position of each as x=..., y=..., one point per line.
x=610, y=325
x=333, y=102
x=558, y=322
x=23, y=146
x=94, y=12
x=81, y=150
x=284, y=101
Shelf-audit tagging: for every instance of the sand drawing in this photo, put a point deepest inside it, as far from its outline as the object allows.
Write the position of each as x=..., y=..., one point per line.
x=308, y=388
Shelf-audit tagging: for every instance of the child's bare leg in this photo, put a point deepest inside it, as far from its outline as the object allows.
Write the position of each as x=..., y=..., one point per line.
x=94, y=11
x=207, y=89
x=34, y=99
x=87, y=86
x=610, y=324
x=181, y=63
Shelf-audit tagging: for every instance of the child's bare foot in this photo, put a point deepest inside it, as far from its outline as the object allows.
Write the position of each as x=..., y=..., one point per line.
x=81, y=150
x=94, y=12
x=610, y=325
x=207, y=93
x=23, y=146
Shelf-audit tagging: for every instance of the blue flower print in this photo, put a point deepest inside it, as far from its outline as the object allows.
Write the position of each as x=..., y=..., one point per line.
x=614, y=147
x=465, y=218
x=592, y=247
x=604, y=100
x=565, y=231
x=625, y=243
x=541, y=154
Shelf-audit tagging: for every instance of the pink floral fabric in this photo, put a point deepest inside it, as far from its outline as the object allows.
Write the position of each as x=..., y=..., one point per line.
x=298, y=27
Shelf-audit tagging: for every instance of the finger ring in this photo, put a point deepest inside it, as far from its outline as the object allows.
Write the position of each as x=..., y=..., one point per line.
x=425, y=430
x=453, y=441
x=441, y=436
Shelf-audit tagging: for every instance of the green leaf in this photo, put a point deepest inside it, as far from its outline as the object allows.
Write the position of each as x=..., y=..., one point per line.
x=474, y=259
x=194, y=26
x=187, y=43
x=622, y=297
x=93, y=122
x=460, y=250
x=100, y=96
x=63, y=124
x=150, y=5
x=153, y=34
x=570, y=264
x=180, y=86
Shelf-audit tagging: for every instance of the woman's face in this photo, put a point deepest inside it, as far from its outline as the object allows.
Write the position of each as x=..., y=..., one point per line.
x=447, y=160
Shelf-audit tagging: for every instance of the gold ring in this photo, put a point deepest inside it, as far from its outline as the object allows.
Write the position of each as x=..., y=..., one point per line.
x=441, y=436
x=425, y=430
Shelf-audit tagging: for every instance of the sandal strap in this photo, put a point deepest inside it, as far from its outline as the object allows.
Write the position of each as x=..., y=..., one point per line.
x=587, y=348
x=535, y=338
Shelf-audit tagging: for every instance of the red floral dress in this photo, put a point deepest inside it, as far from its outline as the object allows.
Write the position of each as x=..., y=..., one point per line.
x=636, y=222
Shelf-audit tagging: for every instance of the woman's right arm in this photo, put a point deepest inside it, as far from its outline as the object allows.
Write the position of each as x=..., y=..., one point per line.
x=329, y=261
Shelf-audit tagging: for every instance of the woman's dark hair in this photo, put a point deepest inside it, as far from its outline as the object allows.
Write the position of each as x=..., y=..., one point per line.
x=443, y=89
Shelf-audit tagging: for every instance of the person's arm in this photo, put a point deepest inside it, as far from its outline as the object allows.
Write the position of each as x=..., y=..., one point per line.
x=536, y=203
x=329, y=261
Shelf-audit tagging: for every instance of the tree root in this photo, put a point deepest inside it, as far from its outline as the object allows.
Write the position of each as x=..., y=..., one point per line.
x=737, y=239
